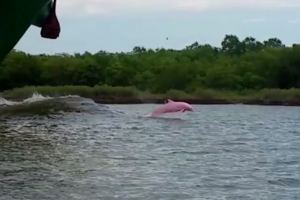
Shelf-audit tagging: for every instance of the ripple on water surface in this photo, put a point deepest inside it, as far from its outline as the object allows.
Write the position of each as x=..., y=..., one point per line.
x=110, y=152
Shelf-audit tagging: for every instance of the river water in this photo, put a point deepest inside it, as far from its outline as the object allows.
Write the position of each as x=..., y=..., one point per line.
x=72, y=148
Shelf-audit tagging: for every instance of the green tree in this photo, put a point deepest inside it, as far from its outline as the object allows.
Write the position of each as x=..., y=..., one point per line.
x=237, y=64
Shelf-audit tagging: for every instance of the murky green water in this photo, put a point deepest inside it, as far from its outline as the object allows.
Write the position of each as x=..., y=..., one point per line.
x=81, y=150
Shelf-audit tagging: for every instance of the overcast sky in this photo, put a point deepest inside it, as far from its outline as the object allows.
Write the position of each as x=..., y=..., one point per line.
x=119, y=25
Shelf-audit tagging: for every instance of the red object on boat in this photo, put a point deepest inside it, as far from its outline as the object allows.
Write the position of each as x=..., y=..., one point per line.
x=51, y=26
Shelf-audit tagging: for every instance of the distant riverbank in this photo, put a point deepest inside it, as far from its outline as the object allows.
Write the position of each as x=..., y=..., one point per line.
x=130, y=95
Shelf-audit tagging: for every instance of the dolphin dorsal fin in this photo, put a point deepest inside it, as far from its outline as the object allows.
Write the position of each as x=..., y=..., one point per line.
x=169, y=101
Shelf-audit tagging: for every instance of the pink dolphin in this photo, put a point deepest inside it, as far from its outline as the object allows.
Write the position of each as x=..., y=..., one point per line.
x=172, y=106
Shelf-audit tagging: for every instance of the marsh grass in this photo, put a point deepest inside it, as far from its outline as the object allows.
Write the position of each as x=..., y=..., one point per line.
x=278, y=95
x=83, y=91
x=116, y=93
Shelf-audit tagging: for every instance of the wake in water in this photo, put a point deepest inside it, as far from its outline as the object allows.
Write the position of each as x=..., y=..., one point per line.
x=36, y=97
x=39, y=104
x=45, y=105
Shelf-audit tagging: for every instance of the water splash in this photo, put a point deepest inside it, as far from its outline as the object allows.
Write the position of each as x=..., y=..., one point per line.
x=36, y=97
x=167, y=116
x=43, y=104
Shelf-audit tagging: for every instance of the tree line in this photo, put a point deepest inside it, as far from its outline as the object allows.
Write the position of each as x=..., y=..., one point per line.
x=236, y=65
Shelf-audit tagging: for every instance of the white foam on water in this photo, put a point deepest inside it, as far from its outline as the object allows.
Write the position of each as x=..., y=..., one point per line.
x=36, y=97
x=173, y=115
x=147, y=115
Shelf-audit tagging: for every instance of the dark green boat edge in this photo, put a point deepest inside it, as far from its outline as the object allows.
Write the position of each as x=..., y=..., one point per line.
x=16, y=17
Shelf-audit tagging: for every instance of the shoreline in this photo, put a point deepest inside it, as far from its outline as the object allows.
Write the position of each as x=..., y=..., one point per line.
x=198, y=102
x=130, y=95
x=194, y=101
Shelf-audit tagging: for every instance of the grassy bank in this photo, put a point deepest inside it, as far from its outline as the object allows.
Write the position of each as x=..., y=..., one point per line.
x=107, y=94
